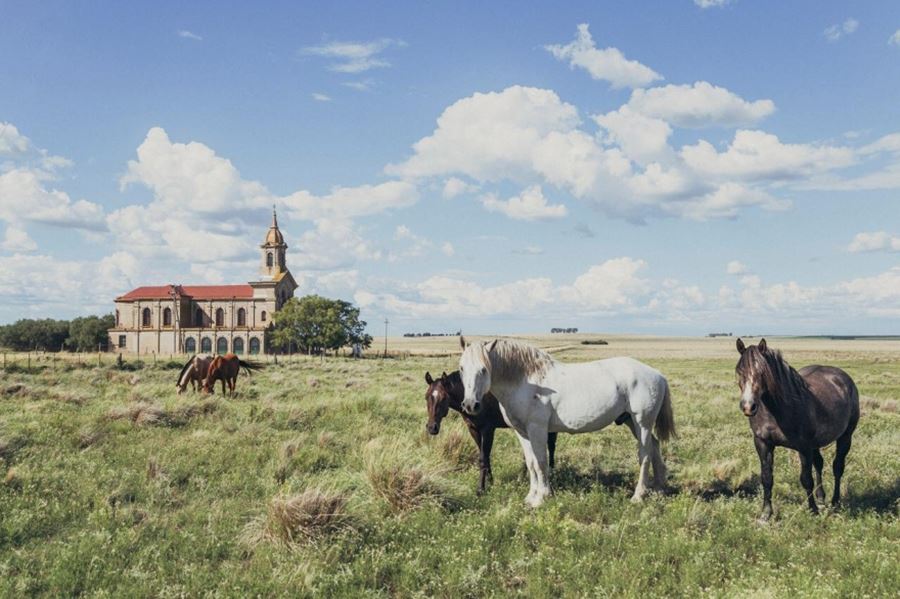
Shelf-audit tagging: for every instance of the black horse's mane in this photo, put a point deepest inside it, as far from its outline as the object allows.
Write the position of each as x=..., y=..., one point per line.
x=780, y=378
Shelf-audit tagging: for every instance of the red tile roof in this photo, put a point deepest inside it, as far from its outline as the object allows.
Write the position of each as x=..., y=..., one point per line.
x=197, y=292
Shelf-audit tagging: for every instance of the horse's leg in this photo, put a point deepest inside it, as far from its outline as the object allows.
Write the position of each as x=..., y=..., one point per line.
x=537, y=433
x=476, y=436
x=806, y=479
x=660, y=472
x=818, y=462
x=840, y=458
x=766, y=453
x=645, y=451
x=531, y=466
x=223, y=386
x=551, y=448
x=487, y=444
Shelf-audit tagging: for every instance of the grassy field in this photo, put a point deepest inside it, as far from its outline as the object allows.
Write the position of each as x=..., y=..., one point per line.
x=318, y=479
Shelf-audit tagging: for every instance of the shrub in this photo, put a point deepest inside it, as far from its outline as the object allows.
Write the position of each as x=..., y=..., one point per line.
x=300, y=519
x=404, y=484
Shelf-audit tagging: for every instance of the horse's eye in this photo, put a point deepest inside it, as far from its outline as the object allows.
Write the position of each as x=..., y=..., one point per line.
x=483, y=370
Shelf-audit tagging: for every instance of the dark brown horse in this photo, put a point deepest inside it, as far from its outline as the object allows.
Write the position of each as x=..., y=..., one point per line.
x=803, y=410
x=226, y=368
x=447, y=392
x=194, y=372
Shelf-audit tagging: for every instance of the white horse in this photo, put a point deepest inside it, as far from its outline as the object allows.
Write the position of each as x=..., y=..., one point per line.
x=539, y=395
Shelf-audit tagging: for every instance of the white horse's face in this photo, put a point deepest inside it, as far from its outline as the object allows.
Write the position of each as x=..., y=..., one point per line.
x=476, y=377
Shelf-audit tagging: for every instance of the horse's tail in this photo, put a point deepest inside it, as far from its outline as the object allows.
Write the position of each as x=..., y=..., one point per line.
x=250, y=366
x=183, y=370
x=665, y=420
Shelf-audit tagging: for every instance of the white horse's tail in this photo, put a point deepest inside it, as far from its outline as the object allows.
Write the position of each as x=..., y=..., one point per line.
x=665, y=421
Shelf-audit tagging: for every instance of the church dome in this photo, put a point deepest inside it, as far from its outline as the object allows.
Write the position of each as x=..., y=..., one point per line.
x=274, y=236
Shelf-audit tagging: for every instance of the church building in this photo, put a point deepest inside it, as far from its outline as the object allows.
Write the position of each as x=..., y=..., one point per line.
x=206, y=319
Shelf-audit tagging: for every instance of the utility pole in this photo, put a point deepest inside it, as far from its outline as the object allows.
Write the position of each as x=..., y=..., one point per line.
x=385, y=337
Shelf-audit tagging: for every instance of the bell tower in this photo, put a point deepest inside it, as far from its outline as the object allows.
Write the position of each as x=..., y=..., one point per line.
x=274, y=250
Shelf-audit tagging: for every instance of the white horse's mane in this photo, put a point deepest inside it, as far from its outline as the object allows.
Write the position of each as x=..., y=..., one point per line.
x=509, y=359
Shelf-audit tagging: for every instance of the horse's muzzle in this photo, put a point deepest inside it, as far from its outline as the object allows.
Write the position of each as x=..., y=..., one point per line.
x=472, y=408
x=749, y=410
x=433, y=428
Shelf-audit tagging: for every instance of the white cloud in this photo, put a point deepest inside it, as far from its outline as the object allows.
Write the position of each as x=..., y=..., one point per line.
x=874, y=241
x=711, y=3
x=17, y=240
x=354, y=57
x=351, y=202
x=757, y=155
x=608, y=64
x=319, y=97
x=11, y=141
x=528, y=205
x=24, y=197
x=360, y=86
x=642, y=138
x=530, y=250
x=836, y=32
x=184, y=33
x=699, y=105
x=455, y=186
x=894, y=40
x=448, y=249
x=736, y=268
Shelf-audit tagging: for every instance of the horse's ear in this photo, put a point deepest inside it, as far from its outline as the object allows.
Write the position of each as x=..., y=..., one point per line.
x=740, y=346
x=428, y=378
x=762, y=346
x=490, y=346
x=462, y=342
x=444, y=376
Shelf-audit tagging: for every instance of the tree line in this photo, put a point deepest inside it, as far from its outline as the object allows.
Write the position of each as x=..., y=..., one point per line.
x=87, y=333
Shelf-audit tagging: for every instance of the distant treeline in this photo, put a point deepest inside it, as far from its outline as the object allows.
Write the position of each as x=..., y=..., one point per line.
x=427, y=334
x=87, y=333
x=556, y=330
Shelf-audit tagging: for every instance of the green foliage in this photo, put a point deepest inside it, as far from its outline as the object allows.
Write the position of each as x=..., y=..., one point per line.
x=314, y=324
x=29, y=334
x=89, y=332
x=82, y=334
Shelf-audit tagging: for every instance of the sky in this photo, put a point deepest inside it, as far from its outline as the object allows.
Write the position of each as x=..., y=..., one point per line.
x=677, y=167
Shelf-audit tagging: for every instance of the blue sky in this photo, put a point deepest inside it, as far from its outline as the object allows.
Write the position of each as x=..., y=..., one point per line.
x=671, y=168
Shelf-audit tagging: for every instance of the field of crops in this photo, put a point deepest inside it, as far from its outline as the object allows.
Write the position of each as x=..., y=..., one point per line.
x=317, y=478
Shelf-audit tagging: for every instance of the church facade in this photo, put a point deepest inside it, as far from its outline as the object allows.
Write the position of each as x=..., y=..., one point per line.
x=206, y=319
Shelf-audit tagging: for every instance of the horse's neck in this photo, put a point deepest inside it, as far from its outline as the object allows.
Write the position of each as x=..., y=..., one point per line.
x=188, y=373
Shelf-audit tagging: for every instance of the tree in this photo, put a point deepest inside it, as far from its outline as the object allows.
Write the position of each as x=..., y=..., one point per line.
x=28, y=334
x=89, y=332
x=314, y=324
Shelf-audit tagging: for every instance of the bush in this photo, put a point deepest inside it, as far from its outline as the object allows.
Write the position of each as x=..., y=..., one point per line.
x=300, y=518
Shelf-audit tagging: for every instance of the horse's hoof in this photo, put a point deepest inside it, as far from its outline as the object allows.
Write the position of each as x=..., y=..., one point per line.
x=763, y=521
x=637, y=498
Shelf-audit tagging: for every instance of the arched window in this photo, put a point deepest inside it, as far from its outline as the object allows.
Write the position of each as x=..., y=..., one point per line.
x=167, y=317
x=145, y=317
x=198, y=317
x=222, y=345
x=269, y=260
x=190, y=345
x=220, y=317
x=254, y=346
x=206, y=345
x=242, y=318
x=237, y=346
x=262, y=316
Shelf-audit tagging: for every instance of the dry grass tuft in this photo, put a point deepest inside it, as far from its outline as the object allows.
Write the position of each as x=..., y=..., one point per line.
x=724, y=470
x=457, y=448
x=400, y=481
x=145, y=414
x=300, y=519
x=90, y=436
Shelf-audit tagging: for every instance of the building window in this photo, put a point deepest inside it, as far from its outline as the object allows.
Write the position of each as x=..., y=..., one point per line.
x=206, y=345
x=242, y=318
x=167, y=317
x=222, y=345
x=238, y=346
x=190, y=345
x=220, y=317
x=145, y=317
x=122, y=341
x=262, y=316
x=269, y=260
x=254, y=346
x=117, y=318
x=198, y=318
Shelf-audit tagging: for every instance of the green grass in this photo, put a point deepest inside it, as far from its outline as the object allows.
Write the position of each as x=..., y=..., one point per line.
x=318, y=479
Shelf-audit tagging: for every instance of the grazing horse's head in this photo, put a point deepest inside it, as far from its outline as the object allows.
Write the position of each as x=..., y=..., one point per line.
x=753, y=375
x=209, y=383
x=437, y=398
x=475, y=371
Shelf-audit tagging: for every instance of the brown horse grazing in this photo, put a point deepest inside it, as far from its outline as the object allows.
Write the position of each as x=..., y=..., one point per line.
x=226, y=368
x=193, y=372
x=803, y=410
x=447, y=392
